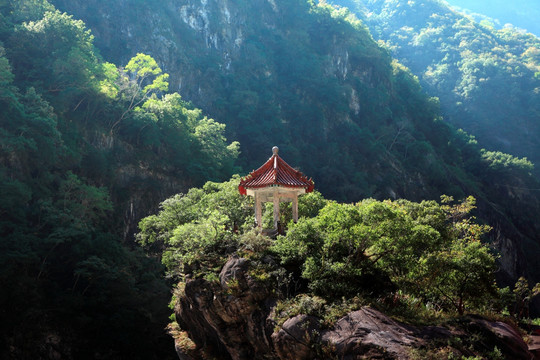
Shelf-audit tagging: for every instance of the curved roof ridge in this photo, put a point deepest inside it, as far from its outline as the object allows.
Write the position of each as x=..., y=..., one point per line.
x=275, y=172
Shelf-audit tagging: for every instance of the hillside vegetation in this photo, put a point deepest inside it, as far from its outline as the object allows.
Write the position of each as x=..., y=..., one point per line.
x=308, y=78
x=311, y=79
x=92, y=144
x=83, y=143
x=487, y=80
x=522, y=14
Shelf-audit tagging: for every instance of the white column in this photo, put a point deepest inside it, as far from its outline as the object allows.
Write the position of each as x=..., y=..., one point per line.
x=276, y=209
x=295, y=208
x=258, y=210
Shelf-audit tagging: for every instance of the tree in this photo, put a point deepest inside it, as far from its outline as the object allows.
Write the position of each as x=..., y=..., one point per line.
x=523, y=295
x=144, y=78
x=195, y=232
x=459, y=273
x=56, y=55
x=217, y=157
x=427, y=250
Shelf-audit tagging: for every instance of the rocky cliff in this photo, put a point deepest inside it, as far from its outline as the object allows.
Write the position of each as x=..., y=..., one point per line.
x=235, y=319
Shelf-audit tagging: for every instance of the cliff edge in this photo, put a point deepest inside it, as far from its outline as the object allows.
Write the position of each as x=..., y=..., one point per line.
x=235, y=318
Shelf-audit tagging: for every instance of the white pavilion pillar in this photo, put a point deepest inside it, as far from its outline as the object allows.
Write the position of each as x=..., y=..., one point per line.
x=258, y=209
x=295, y=208
x=276, y=208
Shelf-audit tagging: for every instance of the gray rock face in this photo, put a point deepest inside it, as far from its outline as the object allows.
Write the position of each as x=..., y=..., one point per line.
x=231, y=320
x=233, y=270
x=505, y=337
x=294, y=340
x=368, y=331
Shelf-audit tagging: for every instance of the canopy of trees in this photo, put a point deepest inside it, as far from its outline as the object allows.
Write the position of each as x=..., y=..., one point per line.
x=426, y=252
x=71, y=129
x=487, y=80
x=522, y=14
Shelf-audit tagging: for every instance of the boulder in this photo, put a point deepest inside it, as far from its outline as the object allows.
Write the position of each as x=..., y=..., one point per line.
x=370, y=332
x=296, y=338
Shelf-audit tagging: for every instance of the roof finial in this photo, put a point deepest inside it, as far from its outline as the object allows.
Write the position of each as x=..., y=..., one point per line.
x=275, y=150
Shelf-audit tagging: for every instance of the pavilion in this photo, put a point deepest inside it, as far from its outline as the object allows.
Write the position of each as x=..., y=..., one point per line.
x=275, y=181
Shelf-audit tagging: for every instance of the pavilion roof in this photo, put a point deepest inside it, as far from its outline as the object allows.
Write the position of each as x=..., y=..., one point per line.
x=275, y=172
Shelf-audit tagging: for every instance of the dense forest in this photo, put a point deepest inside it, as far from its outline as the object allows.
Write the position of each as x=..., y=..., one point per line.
x=81, y=142
x=97, y=131
x=487, y=80
x=522, y=14
x=310, y=79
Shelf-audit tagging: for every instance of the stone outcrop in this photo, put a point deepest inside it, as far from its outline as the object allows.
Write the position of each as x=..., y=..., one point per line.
x=505, y=337
x=296, y=337
x=368, y=332
x=232, y=319
x=229, y=319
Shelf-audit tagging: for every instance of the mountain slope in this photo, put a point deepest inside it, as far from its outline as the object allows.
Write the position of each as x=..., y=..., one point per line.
x=487, y=80
x=82, y=162
x=73, y=186
x=521, y=13
x=311, y=79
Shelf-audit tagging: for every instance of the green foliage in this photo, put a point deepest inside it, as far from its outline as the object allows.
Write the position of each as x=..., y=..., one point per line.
x=484, y=82
x=520, y=13
x=196, y=232
x=71, y=72
x=421, y=261
x=500, y=161
x=310, y=204
x=143, y=66
x=29, y=10
x=484, y=77
x=67, y=266
x=253, y=242
x=316, y=83
x=523, y=295
x=144, y=78
x=430, y=251
x=210, y=135
x=419, y=255
x=197, y=246
x=302, y=304
x=84, y=204
x=308, y=77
